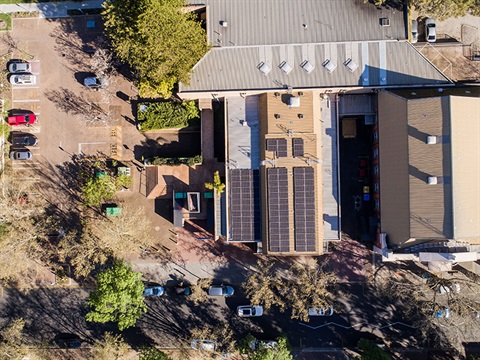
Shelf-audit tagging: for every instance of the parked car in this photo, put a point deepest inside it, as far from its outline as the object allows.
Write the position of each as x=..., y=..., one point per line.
x=320, y=311
x=70, y=343
x=208, y=345
x=94, y=82
x=249, y=310
x=19, y=66
x=430, y=30
x=24, y=139
x=221, y=290
x=414, y=31
x=22, y=119
x=263, y=344
x=153, y=291
x=182, y=289
x=23, y=79
x=21, y=155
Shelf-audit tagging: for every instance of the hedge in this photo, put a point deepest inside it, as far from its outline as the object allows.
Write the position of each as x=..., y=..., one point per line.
x=165, y=115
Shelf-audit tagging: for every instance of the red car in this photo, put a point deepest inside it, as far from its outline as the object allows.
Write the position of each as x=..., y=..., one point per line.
x=22, y=119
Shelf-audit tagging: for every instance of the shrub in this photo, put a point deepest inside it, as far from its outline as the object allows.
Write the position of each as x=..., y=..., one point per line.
x=164, y=115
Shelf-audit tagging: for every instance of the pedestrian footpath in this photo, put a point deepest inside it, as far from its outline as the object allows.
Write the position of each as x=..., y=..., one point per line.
x=51, y=10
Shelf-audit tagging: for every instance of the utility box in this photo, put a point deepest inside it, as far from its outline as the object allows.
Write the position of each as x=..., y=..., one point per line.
x=349, y=128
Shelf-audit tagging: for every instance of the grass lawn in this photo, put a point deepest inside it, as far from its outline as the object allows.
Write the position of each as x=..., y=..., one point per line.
x=7, y=19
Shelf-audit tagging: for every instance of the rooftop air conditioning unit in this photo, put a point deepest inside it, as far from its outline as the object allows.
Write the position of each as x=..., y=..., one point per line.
x=431, y=140
x=264, y=68
x=330, y=66
x=294, y=101
x=307, y=66
x=351, y=65
x=385, y=22
x=285, y=67
x=432, y=180
x=223, y=23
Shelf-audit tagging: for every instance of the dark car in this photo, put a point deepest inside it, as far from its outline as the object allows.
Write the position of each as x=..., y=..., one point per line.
x=70, y=342
x=24, y=139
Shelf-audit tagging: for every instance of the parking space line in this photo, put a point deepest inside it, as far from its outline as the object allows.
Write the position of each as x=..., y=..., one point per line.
x=27, y=101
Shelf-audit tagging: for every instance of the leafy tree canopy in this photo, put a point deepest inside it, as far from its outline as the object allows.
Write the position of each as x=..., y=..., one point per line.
x=279, y=352
x=157, y=38
x=152, y=353
x=118, y=297
x=444, y=9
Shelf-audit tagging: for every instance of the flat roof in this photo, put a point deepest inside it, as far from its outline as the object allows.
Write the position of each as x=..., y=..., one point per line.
x=269, y=22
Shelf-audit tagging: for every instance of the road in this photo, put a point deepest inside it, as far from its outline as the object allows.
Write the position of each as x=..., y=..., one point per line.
x=51, y=311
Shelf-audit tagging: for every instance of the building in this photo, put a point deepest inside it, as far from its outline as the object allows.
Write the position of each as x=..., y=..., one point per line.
x=278, y=67
x=429, y=172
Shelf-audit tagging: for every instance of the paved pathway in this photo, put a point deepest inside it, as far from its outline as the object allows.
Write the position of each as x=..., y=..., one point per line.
x=51, y=9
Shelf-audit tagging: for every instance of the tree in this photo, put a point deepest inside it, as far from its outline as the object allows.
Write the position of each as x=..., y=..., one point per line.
x=102, y=188
x=444, y=9
x=118, y=296
x=281, y=351
x=370, y=351
x=13, y=344
x=306, y=285
x=112, y=347
x=222, y=334
x=152, y=353
x=217, y=184
x=311, y=288
x=157, y=38
x=199, y=291
x=262, y=285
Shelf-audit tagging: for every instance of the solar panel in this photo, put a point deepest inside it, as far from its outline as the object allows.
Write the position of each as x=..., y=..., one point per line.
x=277, y=145
x=304, y=215
x=297, y=147
x=245, y=216
x=278, y=219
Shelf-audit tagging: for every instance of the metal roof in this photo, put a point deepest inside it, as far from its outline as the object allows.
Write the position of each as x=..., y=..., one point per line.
x=271, y=22
x=380, y=63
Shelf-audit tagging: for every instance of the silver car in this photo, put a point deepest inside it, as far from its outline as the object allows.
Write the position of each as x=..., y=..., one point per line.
x=414, y=31
x=21, y=155
x=19, y=66
x=23, y=79
x=220, y=290
x=207, y=345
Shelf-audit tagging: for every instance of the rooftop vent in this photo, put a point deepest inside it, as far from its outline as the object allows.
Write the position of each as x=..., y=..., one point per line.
x=294, y=101
x=223, y=23
x=264, y=68
x=277, y=116
x=440, y=90
x=330, y=66
x=285, y=67
x=431, y=140
x=385, y=22
x=432, y=180
x=351, y=65
x=307, y=66
x=300, y=116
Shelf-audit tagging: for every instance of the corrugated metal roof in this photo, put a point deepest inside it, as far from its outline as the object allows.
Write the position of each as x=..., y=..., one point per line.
x=379, y=64
x=465, y=135
x=430, y=205
x=271, y=22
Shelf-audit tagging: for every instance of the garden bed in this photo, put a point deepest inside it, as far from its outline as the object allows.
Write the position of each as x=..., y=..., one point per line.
x=167, y=115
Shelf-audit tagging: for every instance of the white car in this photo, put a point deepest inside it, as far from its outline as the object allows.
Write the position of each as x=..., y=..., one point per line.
x=249, y=311
x=207, y=345
x=320, y=311
x=263, y=344
x=430, y=30
x=23, y=79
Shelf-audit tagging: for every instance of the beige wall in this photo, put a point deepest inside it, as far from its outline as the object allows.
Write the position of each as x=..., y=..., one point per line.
x=393, y=157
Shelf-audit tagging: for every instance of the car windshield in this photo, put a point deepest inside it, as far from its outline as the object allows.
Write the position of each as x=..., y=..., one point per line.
x=27, y=118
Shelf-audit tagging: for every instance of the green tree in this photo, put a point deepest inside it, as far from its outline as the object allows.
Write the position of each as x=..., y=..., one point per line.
x=157, y=38
x=103, y=187
x=281, y=351
x=112, y=347
x=371, y=351
x=217, y=184
x=118, y=296
x=152, y=353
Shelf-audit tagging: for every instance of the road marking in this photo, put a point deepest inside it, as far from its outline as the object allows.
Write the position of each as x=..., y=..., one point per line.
x=355, y=325
x=27, y=101
x=88, y=143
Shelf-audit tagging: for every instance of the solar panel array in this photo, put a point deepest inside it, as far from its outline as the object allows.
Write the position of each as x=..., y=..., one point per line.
x=278, y=145
x=278, y=219
x=297, y=147
x=304, y=200
x=245, y=207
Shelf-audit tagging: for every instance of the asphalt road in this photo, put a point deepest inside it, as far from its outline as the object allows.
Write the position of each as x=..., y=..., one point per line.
x=49, y=312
